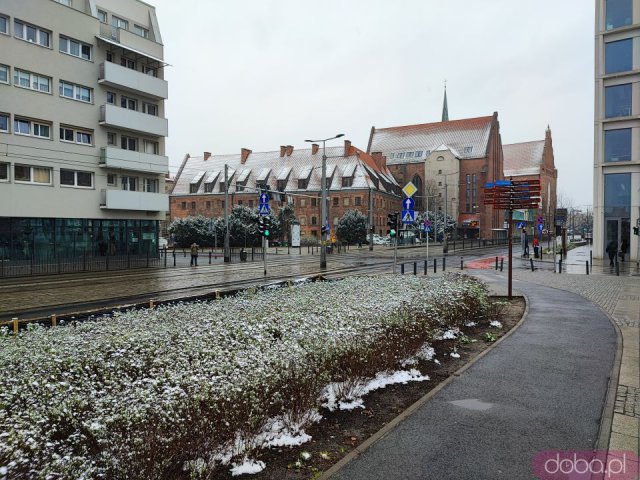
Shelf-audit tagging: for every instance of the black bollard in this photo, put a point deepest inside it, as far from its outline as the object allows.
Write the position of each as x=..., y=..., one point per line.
x=617, y=269
x=591, y=259
x=461, y=264
x=496, y=263
x=402, y=268
x=184, y=253
x=532, y=267
x=560, y=265
x=415, y=268
x=425, y=267
x=209, y=258
x=587, y=265
x=501, y=263
x=435, y=265
x=444, y=267
x=174, y=258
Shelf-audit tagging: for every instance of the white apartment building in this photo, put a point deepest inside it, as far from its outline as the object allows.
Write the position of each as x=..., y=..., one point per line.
x=617, y=127
x=82, y=128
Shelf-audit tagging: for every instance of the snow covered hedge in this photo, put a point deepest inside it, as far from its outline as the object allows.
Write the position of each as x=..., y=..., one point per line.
x=177, y=391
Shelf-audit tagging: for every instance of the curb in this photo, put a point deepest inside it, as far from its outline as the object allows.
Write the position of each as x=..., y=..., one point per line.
x=364, y=446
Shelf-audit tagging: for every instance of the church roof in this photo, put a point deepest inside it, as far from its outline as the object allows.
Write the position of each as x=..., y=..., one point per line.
x=468, y=137
x=523, y=158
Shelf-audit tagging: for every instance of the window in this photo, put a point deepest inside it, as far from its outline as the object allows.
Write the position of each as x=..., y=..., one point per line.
x=112, y=139
x=358, y=201
x=31, y=128
x=239, y=202
x=4, y=122
x=617, y=101
x=4, y=74
x=281, y=185
x=129, y=103
x=4, y=172
x=618, y=56
x=111, y=98
x=409, y=155
x=439, y=184
x=151, y=147
x=75, y=48
x=147, y=70
x=4, y=24
x=129, y=143
x=184, y=205
x=345, y=201
x=391, y=156
x=102, y=16
x=125, y=62
x=439, y=172
x=138, y=30
x=303, y=183
x=149, y=108
x=112, y=179
x=74, y=178
x=33, y=81
x=468, y=149
x=440, y=159
x=119, y=22
x=109, y=57
x=207, y=205
x=27, y=174
x=83, y=138
x=32, y=34
x=314, y=202
x=419, y=153
x=129, y=183
x=76, y=92
x=336, y=201
x=400, y=155
x=618, y=13
x=347, y=181
x=250, y=203
x=314, y=221
x=617, y=145
x=193, y=187
x=150, y=185
x=336, y=220
x=193, y=205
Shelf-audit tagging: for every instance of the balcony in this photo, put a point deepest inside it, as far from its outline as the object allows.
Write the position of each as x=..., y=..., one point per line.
x=133, y=81
x=117, y=117
x=131, y=41
x=126, y=200
x=111, y=157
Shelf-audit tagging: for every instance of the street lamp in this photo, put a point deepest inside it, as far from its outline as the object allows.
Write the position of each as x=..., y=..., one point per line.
x=475, y=210
x=323, y=212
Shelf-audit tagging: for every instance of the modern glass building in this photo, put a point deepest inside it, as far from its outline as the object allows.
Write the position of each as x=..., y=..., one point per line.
x=617, y=126
x=82, y=129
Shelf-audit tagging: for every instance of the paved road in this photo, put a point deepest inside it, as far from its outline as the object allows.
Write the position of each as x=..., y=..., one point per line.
x=542, y=388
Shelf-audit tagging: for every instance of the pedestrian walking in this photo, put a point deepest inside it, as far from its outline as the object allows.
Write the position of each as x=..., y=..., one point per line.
x=536, y=247
x=194, y=254
x=612, y=250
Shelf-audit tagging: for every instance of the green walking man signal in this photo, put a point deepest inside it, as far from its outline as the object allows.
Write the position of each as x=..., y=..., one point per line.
x=264, y=225
x=392, y=223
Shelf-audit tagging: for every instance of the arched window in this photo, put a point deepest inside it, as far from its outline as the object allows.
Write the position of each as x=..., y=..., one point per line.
x=419, y=196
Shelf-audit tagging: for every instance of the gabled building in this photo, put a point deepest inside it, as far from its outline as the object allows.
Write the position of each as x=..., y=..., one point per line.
x=449, y=162
x=534, y=161
x=82, y=128
x=355, y=180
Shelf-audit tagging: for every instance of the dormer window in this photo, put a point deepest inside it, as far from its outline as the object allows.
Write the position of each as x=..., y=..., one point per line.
x=282, y=185
x=347, y=181
x=409, y=154
x=468, y=149
x=303, y=183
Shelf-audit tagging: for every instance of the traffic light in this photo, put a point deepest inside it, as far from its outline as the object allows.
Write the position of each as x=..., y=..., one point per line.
x=393, y=223
x=264, y=226
x=635, y=230
x=323, y=229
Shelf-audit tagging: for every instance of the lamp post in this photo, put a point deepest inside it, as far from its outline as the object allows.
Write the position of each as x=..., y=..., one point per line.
x=323, y=212
x=475, y=210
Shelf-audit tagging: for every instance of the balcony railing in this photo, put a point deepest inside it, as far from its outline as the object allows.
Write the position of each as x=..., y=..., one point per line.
x=112, y=157
x=113, y=199
x=131, y=80
x=124, y=118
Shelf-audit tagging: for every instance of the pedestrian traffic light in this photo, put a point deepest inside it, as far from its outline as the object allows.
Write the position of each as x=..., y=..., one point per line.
x=635, y=230
x=323, y=229
x=264, y=226
x=393, y=223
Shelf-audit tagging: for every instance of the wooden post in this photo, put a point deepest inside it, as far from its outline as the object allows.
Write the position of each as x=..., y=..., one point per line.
x=15, y=325
x=54, y=321
x=151, y=304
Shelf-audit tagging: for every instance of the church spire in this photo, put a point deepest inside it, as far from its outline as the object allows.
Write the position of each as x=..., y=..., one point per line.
x=445, y=107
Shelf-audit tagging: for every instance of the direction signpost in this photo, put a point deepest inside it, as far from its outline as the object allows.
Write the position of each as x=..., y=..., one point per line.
x=512, y=195
x=263, y=210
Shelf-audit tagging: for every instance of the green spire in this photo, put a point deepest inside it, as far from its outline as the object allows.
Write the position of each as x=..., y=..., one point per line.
x=445, y=108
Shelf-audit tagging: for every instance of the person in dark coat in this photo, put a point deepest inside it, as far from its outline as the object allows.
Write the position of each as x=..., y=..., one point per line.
x=612, y=250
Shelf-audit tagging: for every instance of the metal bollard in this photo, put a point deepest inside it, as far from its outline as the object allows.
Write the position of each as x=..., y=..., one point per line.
x=425, y=267
x=501, y=263
x=185, y=253
x=54, y=320
x=591, y=259
x=587, y=265
x=402, y=269
x=209, y=258
x=461, y=264
x=560, y=265
x=617, y=269
x=444, y=267
x=174, y=258
x=435, y=265
x=15, y=325
x=532, y=267
x=496, y=263
x=415, y=268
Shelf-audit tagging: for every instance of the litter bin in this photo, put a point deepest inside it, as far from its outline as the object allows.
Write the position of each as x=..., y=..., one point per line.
x=243, y=256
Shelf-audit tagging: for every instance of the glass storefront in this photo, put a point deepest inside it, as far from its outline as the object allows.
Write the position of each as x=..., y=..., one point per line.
x=25, y=238
x=617, y=212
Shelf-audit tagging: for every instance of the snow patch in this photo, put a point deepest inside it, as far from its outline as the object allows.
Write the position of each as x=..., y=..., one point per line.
x=249, y=466
x=495, y=323
x=455, y=354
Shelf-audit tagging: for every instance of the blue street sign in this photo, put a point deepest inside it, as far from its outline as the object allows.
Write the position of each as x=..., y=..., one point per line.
x=264, y=209
x=520, y=225
x=540, y=227
x=408, y=216
x=408, y=203
x=264, y=198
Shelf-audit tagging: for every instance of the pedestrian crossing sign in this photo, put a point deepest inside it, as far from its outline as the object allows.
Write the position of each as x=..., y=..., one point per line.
x=408, y=216
x=264, y=209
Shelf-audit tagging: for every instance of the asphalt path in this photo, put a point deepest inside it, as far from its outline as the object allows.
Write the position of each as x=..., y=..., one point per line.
x=542, y=388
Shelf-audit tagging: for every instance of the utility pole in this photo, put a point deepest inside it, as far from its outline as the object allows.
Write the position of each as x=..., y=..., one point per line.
x=370, y=220
x=227, y=251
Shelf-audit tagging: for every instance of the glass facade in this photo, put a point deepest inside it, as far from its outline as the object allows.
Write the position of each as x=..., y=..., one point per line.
x=617, y=195
x=26, y=238
x=617, y=101
x=617, y=145
x=618, y=13
x=618, y=56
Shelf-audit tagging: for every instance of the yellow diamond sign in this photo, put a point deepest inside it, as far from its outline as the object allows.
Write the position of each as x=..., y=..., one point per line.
x=409, y=189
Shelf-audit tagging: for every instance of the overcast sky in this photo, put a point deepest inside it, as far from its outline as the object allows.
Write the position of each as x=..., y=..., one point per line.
x=264, y=73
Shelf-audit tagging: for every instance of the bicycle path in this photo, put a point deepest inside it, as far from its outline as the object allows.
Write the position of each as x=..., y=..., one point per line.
x=542, y=388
